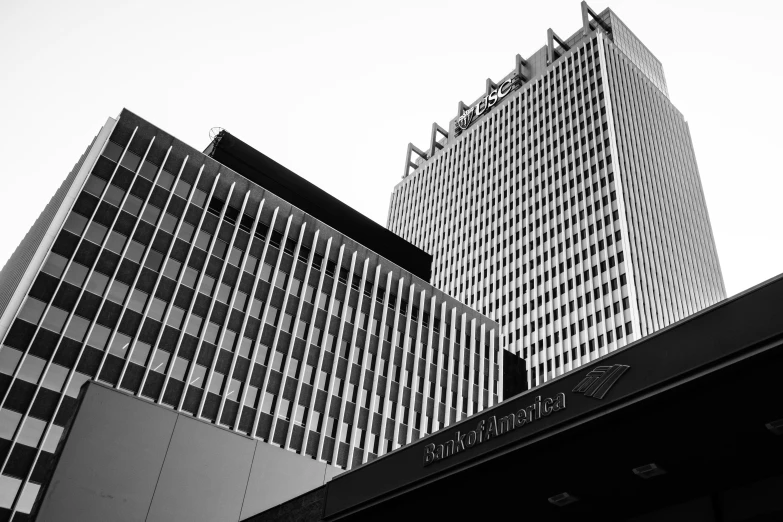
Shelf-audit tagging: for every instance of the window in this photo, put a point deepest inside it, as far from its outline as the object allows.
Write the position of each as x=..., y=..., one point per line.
x=168, y=223
x=95, y=233
x=54, y=265
x=97, y=283
x=137, y=300
x=179, y=368
x=172, y=269
x=75, y=223
x=197, y=377
x=9, y=358
x=94, y=185
x=151, y=214
x=117, y=292
x=159, y=361
x=116, y=242
x=183, y=189
x=132, y=205
x=175, y=317
x=224, y=292
x=32, y=310
x=135, y=251
x=190, y=277
x=235, y=257
x=77, y=328
x=154, y=260
x=220, y=248
x=55, y=378
x=31, y=369
x=55, y=319
x=99, y=337
x=156, y=309
x=207, y=285
x=119, y=345
x=140, y=353
x=194, y=325
x=186, y=231
x=114, y=195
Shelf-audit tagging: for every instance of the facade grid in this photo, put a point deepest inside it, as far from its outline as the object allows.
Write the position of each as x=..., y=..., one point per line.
x=571, y=211
x=179, y=281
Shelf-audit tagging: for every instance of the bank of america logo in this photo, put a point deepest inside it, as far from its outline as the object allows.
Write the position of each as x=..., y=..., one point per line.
x=600, y=380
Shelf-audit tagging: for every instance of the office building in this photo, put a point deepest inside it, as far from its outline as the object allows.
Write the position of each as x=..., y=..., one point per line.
x=171, y=277
x=566, y=202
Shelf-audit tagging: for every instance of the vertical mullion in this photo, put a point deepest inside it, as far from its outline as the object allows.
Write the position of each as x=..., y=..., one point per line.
x=189, y=311
x=251, y=296
x=151, y=356
x=223, y=327
x=415, y=369
x=321, y=349
x=387, y=395
x=273, y=347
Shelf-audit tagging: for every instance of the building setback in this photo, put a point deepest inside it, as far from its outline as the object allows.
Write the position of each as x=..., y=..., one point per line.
x=161, y=273
x=566, y=202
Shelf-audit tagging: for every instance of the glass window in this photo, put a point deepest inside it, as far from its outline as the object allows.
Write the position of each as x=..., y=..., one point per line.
x=172, y=269
x=309, y=294
x=197, y=377
x=116, y=242
x=156, y=309
x=132, y=205
x=99, y=337
x=148, y=170
x=76, y=383
x=130, y=161
x=175, y=317
x=240, y=301
x=169, y=223
x=54, y=265
x=287, y=324
x=27, y=498
x=203, y=239
x=229, y=338
x=251, y=265
x=296, y=286
x=207, y=285
x=32, y=310
x=55, y=319
x=268, y=404
x=190, y=277
x=281, y=278
x=154, y=260
x=263, y=351
x=256, y=308
x=113, y=151
x=235, y=257
x=9, y=358
x=114, y=195
x=94, y=185
x=76, y=274
x=183, y=189
x=216, y=383
x=97, y=283
x=151, y=214
x=166, y=179
x=199, y=198
x=245, y=346
x=159, y=361
x=9, y=420
x=137, y=300
x=271, y=316
x=179, y=369
x=186, y=231
x=233, y=391
x=75, y=223
x=119, y=345
x=140, y=353
x=95, y=233
x=194, y=325
x=251, y=396
x=135, y=251
x=55, y=377
x=77, y=328
x=277, y=361
x=31, y=432
x=211, y=333
x=117, y=292
x=223, y=293
x=50, y=444
x=31, y=369
x=266, y=273
x=219, y=249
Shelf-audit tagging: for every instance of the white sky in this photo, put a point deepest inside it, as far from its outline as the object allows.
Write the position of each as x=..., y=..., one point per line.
x=336, y=90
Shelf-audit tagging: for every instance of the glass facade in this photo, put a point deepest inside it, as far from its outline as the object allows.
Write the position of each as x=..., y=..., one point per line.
x=182, y=283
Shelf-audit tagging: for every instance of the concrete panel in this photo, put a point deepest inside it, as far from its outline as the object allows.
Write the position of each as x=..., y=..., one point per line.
x=204, y=475
x=279, y=475
x=111, y=460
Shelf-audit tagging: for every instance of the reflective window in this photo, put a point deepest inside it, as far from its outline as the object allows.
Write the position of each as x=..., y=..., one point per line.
x=175, y=317
x=130, y=161
x=95, y=233
x=27, y=498
x=140, y=353
x=179, y=369
x=31, y=432
x=186, y=231
x=207, y=285
x=97, y=283
x=203, y=239
x=219, y=249
x=194, y=325
x=235, y=257
x=216, y=384
x=240, y=300
x=55, y=319
x=9, y=358
x=99, y=337
x=148, y=170
x=166, y=179
x=132, y=205
x=244, y=347
x=55, y=377
x=190, y=277
x=197, y=377
x=113, y=151
x=76, y=383
x=224, y=291
x=137, y=300
x=183, y=189
x=116, y=242
x=54, y=265
x=234, y=390
x=114, y=195
x=31, y=369
x=75, y=223
x=159, y=361
x=32, y=310
x=119, y=345
x=251, y=265
x=199, y=198
x=172, y=269
x=94, y=185
x=151, y=214
x=256, y=308
x=135, y=251
x=229, y=338
x=154, y=260
x=76, y=274
x=9, y=420
x=117, y=292
x=168, y=223
x=77, y=328
x=156, y=309
x=211, y=333
x=266, y=273
x=52, y=439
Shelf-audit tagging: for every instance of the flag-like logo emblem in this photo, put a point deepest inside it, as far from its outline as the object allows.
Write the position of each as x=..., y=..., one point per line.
x=600, y=380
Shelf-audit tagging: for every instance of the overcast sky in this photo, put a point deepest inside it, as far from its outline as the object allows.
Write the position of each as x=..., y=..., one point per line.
x=336, y=90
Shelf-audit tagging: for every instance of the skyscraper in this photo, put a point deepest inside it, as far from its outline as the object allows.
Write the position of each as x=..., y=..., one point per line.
x=566, y=202
x=163, y=273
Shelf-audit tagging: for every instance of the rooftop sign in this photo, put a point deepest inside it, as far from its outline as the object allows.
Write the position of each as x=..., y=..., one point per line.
x=470, y=115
